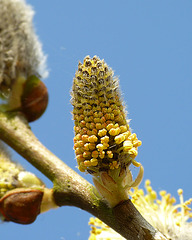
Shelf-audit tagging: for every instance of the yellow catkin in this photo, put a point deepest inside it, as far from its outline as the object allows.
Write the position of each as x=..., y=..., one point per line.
x=13, y=175
x=103, y=139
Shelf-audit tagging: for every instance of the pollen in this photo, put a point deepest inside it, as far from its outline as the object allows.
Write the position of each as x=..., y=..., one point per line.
x=110, y=154
x=114, y=165
x=127, y=145
x=103, y=140
x=92, y=139
x=102, y=132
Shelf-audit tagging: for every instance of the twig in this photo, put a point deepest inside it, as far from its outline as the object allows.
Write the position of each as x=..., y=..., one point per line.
x=69, y=187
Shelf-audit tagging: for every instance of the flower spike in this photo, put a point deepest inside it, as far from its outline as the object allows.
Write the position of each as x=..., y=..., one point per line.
x=104, y=144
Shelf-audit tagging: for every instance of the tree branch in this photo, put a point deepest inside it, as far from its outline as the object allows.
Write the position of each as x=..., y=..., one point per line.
x=69, y=187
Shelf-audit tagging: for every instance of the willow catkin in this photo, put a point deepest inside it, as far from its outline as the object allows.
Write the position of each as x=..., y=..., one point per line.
x=103, y=140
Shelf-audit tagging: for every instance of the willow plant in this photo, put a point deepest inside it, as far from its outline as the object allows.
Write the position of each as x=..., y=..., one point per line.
x=103, y=142
x=104, y=145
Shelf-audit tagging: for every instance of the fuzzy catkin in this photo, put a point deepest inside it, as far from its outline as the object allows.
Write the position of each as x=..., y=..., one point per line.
x=20, y=50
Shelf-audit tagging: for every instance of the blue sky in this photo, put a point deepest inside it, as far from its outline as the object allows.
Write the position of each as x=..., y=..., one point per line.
x=149, y=46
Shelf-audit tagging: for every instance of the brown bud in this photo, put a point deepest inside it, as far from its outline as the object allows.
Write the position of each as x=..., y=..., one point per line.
x=34, y=99
x=21, y=205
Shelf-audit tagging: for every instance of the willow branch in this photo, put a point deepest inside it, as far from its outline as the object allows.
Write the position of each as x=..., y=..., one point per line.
x=69, y=187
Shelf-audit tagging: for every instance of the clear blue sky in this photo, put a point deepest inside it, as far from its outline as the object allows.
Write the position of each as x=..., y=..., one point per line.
x=149, y=46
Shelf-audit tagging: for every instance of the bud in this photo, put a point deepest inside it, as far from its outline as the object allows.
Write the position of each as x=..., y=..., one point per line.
x=104, y=144
x=34, y=99
x=21, y=205
x=22, y=195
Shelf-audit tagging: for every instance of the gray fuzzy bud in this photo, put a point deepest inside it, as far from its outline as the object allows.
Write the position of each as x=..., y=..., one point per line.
x=20, y=50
